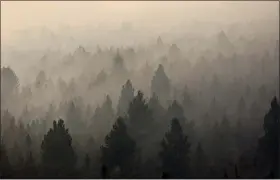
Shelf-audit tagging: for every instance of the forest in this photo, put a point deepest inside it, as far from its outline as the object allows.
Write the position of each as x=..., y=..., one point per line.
x=192, y=106
x=223, y=124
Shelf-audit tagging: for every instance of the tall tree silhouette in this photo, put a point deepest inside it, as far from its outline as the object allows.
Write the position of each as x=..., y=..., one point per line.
x=156, y=107
x=141, y=123
x=118, y=64
x=175, y=110
x=58, y=156
x=174, y=52
x=103, y=119
x=126, y=97
x=159, y=42
x=74, y=118
x=100, y=78
x=160, y=85
x=269, y=143
x=118, y=152
x=175, y=150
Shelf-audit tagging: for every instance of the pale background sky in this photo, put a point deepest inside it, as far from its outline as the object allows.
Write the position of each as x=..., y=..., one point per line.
x=21, y=15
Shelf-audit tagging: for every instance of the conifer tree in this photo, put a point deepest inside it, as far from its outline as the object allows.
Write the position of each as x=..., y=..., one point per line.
x=141, y=123
x=176, y=111
x=160, y=85
x=156, y=107
x=58, y=156
x=119, y=151
x=74, y=118
x=126, y=97
x=103, y=119
x=118, y=64
x=269, y=143
x=175, y=152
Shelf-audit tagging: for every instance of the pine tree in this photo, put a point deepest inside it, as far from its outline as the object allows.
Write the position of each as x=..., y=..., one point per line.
x=176, y=111
x=174, y=52
x=175, y=150
x=58, y=156
x=159, y=42
x=269, y=143
x=118, y=152
x=119, y=66
x=100, y=78
x=126, y=97
x=103, y=119
x=160, y=85
x=156, y=107
x=74, y=118
x=141, y=124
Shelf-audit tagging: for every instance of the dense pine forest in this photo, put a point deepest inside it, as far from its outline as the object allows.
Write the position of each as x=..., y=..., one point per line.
x=215, y=118
x=199, y=101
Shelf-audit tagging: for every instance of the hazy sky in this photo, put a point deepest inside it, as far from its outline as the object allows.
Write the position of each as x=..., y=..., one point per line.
x=20, y=15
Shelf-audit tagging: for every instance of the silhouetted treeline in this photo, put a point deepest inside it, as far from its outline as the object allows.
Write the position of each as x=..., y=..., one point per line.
x=174, y=119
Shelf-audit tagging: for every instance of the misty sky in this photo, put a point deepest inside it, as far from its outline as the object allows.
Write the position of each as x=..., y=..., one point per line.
x=21, y=15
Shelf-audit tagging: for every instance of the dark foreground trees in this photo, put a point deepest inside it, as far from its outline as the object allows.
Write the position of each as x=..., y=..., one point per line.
x=269, y=143
x=119, y=152
x=121, y=158
x=58, y=156
x=5, y=166
x=175, y=151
